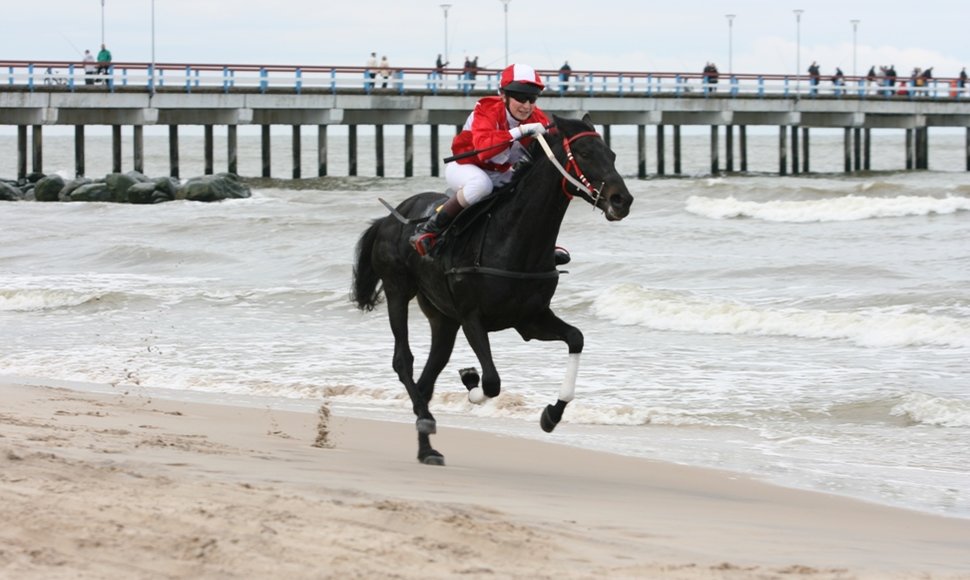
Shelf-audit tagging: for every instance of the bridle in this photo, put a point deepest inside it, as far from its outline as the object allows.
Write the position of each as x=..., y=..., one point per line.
x=578, y=181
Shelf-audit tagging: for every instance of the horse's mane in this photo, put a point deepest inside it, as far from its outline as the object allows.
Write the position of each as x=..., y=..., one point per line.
x=535, y=152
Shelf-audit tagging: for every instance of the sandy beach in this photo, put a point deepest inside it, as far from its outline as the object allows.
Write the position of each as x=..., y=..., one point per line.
x=130, y=486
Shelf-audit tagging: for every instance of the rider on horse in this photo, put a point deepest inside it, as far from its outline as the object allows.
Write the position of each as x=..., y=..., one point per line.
x=500, y=129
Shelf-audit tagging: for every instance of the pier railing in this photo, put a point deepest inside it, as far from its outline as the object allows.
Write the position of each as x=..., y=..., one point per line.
x=246, y=78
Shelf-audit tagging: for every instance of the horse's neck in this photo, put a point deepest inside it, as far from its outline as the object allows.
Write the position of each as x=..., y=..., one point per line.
x=530, y=223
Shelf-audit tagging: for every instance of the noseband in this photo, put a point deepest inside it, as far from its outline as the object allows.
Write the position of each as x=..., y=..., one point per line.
x=578, y=181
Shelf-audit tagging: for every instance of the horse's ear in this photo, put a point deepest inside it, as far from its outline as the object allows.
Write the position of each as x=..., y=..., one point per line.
x=589, y=121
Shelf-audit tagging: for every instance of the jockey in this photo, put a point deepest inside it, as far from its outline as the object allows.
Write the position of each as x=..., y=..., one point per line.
x=500, y=128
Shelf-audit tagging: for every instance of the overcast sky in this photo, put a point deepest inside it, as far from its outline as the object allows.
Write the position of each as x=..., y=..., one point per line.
x=641, y=35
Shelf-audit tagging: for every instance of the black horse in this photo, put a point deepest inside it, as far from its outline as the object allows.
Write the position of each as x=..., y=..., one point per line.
x=493, y=269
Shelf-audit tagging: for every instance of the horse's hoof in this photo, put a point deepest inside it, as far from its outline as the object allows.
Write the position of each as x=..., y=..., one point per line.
x=426, y=426
x=469, y=377
x=549, y=420
x=434, y=458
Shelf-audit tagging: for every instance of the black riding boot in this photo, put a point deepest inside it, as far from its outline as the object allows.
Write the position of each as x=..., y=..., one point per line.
x=426, y=234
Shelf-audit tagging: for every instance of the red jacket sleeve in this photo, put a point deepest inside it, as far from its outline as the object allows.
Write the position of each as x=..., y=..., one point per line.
x=490, y=131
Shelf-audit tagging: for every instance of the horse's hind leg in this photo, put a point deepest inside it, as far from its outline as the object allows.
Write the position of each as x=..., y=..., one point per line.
x=548, y=326
x=397, y=313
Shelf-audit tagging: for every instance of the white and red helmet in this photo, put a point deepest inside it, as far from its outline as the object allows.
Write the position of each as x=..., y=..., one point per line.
x=521, y=78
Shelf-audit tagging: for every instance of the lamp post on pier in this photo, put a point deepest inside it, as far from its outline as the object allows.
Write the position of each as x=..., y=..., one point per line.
x=102, y=21
x=730, y=19
x=444, y=8
x=506, y=4
x=798, y=51
x=855, y=29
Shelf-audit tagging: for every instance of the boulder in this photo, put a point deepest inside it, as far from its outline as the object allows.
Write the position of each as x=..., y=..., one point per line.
x=118, y=184
x=70, y=186
x=10, y=192
x=213, y=188
x=96, y=191
x=49, y=188
x=141, y=193
x=167, y=185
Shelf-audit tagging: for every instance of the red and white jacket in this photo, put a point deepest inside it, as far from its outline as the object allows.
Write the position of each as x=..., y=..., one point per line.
x=487, y=129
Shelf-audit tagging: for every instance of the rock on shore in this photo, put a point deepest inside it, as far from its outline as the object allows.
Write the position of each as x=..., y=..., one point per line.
x=131, y=187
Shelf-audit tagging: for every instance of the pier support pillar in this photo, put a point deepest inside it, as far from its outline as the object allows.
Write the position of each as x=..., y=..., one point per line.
x=847, y=149
x=607, y=135
x=782, y=150
x=297, y=151
x=232, y=149
x=867, y=148
x=909, y=148
x=715, y=164
x=922, y=148
x=743, y=144
x=806, y=150
x=379, y=149
x=208, y=145
x=138, y=147
x=78, y=150
x=352, y=150
x=173, y=151
x=677, y=150
x=729, y=148
x=321, y=150
x=434, y=150
x=661, y=150
x=409, y=151
x=857, y=148
x=37, y=148
x=116, y=148
x=642, y=152
x=795, y=153
x=265, y=146
x=22, y=151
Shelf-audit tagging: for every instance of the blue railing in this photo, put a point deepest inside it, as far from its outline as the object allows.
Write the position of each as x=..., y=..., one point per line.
x=70, y=76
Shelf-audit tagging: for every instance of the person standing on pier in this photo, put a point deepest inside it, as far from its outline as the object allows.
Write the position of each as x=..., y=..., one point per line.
x=104, y=62
x=385, y=71
x=564, y=72
x=371, y=70
x=499, y=130
x=814, y=75
x=89, y=67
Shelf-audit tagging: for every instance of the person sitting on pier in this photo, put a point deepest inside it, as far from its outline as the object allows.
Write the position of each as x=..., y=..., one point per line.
x=104, y=63
x=500, y=128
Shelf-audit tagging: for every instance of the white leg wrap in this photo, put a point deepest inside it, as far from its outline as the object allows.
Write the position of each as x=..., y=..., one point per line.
x=477, y=395
x=568, y=389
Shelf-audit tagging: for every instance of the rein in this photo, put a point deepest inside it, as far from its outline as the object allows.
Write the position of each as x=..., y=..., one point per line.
x=581, y=184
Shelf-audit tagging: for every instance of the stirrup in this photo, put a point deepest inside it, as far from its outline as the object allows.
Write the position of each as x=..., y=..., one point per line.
x=424, y=242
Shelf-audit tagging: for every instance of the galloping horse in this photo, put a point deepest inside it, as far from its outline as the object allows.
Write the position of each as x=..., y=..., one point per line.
x=493, y=269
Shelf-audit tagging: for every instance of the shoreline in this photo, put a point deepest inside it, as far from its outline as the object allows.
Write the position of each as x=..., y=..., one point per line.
x=130, y=484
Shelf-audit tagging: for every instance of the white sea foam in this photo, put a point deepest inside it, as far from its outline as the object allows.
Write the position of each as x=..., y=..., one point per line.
x=930, y=410
x=667, y=310
x=848, y=208
x=39, y=299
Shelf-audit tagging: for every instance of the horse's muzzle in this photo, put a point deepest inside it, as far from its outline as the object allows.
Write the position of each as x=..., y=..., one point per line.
x=615, y=202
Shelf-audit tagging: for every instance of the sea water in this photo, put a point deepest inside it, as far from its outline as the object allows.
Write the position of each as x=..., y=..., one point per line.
x=812, y=331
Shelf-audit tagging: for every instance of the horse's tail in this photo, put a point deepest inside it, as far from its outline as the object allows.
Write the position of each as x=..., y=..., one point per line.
x=367, y=294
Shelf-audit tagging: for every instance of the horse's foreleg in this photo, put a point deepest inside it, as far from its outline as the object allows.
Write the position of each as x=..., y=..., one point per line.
x=443, y=333
x=491, y=384
x=548, y=326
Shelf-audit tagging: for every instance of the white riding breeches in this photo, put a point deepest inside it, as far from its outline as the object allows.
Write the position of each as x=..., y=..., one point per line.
x=473, y=182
